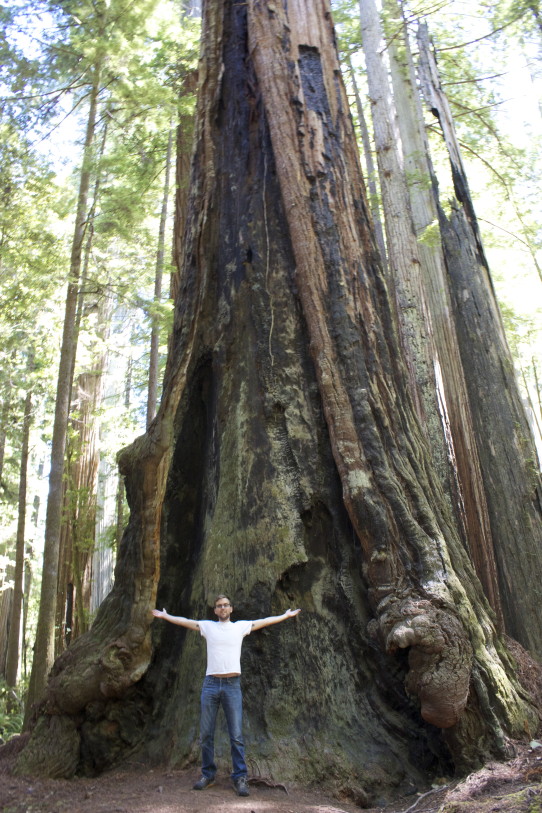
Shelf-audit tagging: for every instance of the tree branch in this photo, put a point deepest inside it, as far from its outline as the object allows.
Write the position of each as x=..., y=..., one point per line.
x=480, y=39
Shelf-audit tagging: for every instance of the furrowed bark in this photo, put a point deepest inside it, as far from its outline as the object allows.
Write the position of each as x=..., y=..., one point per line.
x=508, y=457
x=371, y=170
x=319, y=186
x=467, y=483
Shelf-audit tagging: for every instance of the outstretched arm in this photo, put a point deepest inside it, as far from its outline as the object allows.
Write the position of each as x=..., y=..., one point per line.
x=273, y=619
x=189, y=623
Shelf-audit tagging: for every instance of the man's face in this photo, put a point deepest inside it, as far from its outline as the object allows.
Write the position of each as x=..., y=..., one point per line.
x=223, y=609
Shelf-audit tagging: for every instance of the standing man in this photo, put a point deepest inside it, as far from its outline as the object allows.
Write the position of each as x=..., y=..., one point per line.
x=222, y=684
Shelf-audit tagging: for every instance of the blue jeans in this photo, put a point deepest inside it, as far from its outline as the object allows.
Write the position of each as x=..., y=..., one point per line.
x=228, y=692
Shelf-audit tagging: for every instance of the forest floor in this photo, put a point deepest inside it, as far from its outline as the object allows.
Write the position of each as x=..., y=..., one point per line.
x=511, y=787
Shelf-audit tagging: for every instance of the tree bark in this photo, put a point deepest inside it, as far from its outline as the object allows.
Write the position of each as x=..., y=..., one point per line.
x=14, y=641
x=467, y=485
x=508, y=456
x=79, y=531
x=183, y=153
x=415, y=325
x=4, y=419
x=152, y=395
x=6, y=603
x=286, y=466
x=369, y=163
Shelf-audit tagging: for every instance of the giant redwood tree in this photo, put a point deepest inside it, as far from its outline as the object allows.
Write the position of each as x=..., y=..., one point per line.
x=286, y=467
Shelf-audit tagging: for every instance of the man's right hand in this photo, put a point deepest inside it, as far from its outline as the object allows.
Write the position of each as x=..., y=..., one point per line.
x=189, y=623
x=159, y=613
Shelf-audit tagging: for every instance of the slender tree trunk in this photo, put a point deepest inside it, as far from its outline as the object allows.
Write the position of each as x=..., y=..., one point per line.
x=14, y=643
x=468, y=486
x=28, y=572
x=538, y=392
x=4, y=420
x=4, y=417
x=152, y=395
x=6, y=603
x=286, y=465
x=182, y=179
x=532, y=410
x=506, y=449
x=45, y=633
x=371, y=169
x=79, y=533
x=416, y=328
x=121, y=489
x=79, y=507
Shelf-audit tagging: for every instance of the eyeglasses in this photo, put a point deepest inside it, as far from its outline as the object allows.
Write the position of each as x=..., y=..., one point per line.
x=221, y=606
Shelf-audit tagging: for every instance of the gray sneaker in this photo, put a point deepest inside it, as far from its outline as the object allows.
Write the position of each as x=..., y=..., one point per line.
x=204, y=782
x=241, y=786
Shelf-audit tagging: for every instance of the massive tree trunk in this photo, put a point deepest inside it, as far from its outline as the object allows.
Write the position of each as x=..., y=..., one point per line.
x=506, y=448
x=286, y=467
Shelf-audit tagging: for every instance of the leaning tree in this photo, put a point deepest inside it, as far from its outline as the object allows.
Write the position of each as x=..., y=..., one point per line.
x=287, y=466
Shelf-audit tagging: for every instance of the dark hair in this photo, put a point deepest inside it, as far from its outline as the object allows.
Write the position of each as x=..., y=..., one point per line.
x=221, y=596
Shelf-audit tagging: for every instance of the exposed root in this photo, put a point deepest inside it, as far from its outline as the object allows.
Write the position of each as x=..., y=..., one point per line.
x=262, y=780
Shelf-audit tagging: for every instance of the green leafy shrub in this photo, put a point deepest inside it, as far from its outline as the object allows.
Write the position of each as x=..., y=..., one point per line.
x=11, y=712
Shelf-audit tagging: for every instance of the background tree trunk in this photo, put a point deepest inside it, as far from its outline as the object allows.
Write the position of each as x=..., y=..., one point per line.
x=369, y=163
x=13, y=654
x=4, y=420
x=6, y=604
x=182, y=177
x=5, y=415
x=415, y=324
x=468, y=487
x=152, y=394
x=506, y=448
x=286, y=467
x=83, y=457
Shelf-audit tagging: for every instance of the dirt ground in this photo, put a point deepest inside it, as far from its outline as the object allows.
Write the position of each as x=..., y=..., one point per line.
x=513, y=787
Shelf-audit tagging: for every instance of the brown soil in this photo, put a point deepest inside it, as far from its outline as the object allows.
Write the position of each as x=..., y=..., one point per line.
x=513, y=786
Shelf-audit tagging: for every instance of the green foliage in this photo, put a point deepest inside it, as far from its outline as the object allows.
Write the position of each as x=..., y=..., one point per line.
x=346, y=19
x=11, y=712
x=31, y=255
x=430, y=235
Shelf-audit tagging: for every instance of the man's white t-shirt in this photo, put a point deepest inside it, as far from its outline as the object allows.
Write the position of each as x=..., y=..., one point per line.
x=224, y=641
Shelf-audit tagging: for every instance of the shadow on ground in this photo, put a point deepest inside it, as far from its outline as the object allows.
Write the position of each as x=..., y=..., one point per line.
x=511, y=787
